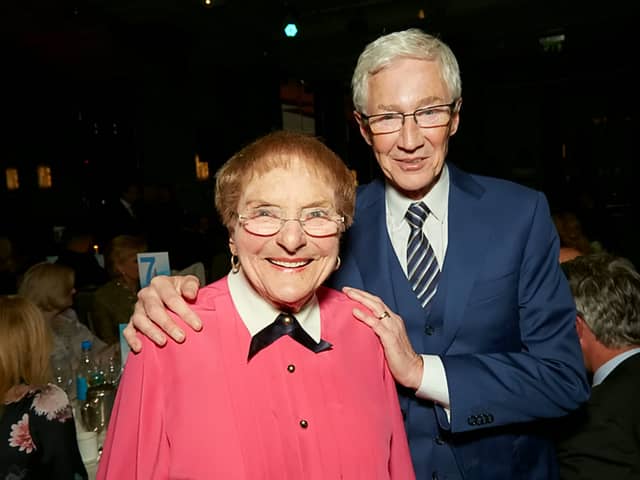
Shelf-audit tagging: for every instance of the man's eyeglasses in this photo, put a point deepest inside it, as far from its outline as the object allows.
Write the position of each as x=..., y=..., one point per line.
x=316, y=222
x=428, y=117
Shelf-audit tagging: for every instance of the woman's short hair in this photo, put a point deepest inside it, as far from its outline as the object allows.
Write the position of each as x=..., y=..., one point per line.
x=281, y=149
x=48, y=285
x=25, y=344
x=412, y=43
x=120, y=248
x=606, y=290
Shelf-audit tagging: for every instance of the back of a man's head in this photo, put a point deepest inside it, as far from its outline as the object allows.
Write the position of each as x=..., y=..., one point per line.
x=606, y=290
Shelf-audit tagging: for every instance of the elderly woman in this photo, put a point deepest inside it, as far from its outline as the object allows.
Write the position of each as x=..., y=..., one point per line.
x=273, y=369
x=113, y=302
x=36, y=422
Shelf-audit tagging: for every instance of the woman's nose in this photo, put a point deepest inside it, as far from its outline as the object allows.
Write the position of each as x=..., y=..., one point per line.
x=292, y=236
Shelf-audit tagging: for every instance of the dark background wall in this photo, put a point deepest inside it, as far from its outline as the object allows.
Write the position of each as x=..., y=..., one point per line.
x=102, y=90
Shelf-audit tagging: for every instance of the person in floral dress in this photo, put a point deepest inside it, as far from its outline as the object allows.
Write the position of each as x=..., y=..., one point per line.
x=37, y=431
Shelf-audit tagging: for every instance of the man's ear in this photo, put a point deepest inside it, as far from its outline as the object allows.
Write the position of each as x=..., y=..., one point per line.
x=364, y=131
x=580, y=326
x=455, y=120
x=584, y=331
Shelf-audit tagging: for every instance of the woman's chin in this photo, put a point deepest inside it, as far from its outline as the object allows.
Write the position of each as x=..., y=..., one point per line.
x=291, y=304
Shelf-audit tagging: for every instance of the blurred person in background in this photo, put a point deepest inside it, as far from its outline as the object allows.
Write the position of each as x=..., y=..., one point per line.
x=8, y=274
x=114, y=301
x=573, y=241
x=36, y=419
x=123, y=215
x=78, y=253
x=50, y=287
x=602, y=439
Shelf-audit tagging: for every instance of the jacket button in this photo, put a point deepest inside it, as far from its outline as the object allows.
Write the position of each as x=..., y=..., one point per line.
x=439, y=441
x=304, y=423
x=428, y=330
x=291, y=368
x=472, y=420
x=490, y=418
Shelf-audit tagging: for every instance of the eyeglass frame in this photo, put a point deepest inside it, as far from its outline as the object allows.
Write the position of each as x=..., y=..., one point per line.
x=451, y=106
x=337, y=219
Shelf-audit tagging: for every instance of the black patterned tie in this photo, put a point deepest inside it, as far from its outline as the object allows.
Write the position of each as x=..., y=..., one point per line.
x=422, y=267
x=285, y=324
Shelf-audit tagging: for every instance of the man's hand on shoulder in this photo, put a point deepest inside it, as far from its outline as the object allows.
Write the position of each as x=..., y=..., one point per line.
x=150, y=316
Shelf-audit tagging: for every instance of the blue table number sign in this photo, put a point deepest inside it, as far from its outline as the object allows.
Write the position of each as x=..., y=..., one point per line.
x=151, y=264
x=124, y=346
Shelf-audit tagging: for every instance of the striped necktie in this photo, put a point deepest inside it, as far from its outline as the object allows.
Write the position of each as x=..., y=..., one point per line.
x=422, y=267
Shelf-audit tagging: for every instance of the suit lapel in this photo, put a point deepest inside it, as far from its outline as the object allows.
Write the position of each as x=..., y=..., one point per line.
x=469, y=233
x=371, y=245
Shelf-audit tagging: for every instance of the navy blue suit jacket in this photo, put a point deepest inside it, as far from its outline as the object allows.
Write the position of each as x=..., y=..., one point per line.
x=502, y=321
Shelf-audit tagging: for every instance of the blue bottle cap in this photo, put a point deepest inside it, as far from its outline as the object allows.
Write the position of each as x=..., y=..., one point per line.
x=86, y=345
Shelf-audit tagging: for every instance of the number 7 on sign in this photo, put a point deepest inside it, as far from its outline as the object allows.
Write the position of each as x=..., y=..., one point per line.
x=152, y=264
x=151, y=271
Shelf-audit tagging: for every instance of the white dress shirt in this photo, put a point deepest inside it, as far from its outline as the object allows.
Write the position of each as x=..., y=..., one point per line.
x=256, y=313
x=434, y=380
x=608, y=367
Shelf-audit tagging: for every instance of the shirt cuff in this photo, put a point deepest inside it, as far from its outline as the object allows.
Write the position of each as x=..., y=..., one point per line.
x=434, y=385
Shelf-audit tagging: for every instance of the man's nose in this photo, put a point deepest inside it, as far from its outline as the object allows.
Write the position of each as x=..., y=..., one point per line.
x=411, y=136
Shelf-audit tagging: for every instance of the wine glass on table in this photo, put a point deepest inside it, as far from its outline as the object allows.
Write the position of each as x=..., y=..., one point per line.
x=63, y=374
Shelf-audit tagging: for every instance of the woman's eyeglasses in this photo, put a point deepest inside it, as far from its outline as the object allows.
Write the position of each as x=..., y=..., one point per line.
x=316, y=222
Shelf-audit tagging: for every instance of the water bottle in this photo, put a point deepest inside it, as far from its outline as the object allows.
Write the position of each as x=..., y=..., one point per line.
x=82, y=379
x=89, y=372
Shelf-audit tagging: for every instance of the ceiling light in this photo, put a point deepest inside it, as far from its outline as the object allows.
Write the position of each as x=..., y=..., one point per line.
x=291, y=30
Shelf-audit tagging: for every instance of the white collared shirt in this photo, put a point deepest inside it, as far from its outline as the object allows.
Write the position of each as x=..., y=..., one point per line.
x=608, y=367
x=435, y=226
x=256, y=313
x=434, y=379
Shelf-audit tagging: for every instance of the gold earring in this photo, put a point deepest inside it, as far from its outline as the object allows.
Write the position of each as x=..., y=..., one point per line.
x=337, y=263
x=235, y=264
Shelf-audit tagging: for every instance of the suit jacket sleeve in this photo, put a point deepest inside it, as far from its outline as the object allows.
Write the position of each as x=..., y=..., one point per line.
x=546, y=377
